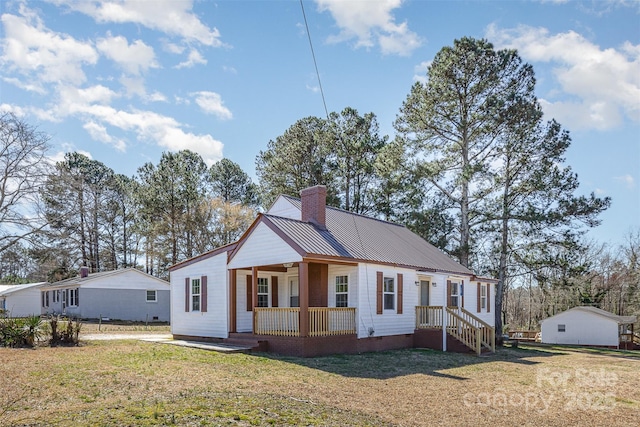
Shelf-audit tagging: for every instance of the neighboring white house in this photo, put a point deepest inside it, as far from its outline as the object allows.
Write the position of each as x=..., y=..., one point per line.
x=20, y=300
x=127, y=294
x=586, y=326
x=312, y=279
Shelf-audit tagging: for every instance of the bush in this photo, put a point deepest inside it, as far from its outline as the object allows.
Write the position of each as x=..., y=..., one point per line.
x=20, y=332
x=64, y=331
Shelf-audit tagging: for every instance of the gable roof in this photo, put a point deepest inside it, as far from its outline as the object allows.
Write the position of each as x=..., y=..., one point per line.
x=10, y=289
x=359, y=238
x=79, y=281
x=599, y=312
x=217, y=251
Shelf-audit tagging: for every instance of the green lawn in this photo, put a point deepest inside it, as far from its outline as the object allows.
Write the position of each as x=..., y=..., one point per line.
x=120, y=383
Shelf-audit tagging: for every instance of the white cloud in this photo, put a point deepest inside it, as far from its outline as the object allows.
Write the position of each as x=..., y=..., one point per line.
x=134, y=58
x=28, y=86
x=194, y=58
x=173, y=17
x=33, y=50
x=603, y=85
x=99, y=133
x=211, y=102
x=627, y=180
x=420, y=71
x=371, y=23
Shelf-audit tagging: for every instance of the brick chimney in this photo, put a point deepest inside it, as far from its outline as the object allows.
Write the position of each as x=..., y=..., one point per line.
x=314, y=205
x=84, y=272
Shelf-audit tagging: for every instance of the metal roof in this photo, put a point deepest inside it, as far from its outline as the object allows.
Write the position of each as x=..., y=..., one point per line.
x=359, y=237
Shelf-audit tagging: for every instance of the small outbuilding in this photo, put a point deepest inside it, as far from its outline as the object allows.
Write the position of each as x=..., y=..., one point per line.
x=126, y=294
x=589, y=326
x=20, y=300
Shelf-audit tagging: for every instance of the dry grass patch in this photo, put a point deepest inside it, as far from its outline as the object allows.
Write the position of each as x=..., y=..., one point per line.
x=135, y=383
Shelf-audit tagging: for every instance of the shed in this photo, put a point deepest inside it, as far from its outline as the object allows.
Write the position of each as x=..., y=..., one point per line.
x=589, y=326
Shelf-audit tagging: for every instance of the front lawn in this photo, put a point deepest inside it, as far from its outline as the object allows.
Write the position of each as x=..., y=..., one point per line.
x=115, y=383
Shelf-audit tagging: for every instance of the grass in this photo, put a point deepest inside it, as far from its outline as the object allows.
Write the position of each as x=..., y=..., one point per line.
x=115, y=383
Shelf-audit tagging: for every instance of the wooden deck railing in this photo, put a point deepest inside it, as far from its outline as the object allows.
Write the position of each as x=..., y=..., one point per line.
x=323, y=321
x=428, y=316
x=464, y=326
x=284, y=322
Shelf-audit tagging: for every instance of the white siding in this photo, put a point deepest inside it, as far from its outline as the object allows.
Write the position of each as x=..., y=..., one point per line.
x=389, y=322
x=343, y=270
x=263, y=247
x=214, y=322
x=581, y=328
x=24, y=302
x=284, y=208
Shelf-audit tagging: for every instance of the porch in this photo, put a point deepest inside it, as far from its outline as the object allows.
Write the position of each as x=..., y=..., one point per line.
x=321, y=321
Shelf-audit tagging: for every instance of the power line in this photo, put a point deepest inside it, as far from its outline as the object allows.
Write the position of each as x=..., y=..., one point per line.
x=314, y=60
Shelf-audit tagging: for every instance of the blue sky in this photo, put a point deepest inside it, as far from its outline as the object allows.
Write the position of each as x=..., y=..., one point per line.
x=123, y=81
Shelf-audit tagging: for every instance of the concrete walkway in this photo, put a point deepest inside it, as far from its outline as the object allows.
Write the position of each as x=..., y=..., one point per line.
x=223, y=348
x=165, y=339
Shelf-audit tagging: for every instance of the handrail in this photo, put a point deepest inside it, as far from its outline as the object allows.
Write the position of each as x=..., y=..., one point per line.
x=488, y=338
x=464, y=331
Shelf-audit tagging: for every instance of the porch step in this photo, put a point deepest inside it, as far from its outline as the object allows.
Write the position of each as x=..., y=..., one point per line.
x=247, y=340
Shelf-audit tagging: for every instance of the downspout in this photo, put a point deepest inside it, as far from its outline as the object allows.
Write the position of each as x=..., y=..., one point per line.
x=444, y=318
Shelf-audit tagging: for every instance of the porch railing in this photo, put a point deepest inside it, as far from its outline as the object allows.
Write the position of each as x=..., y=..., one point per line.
x=323, y=321
x=461, y=324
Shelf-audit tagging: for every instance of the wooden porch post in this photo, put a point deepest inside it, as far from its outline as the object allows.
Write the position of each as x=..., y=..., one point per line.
x=232, y=301
x=303, y=280
x=254, y=293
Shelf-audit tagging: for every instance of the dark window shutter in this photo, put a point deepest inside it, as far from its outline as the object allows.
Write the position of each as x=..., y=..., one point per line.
x=203, y=294
x=488, y=297
x=379, y=292
x=479, y=296
x=274, y=291
x=249, y=293
x=400, y=283
x=448, y=293
x=186, y=294
x=461, y=293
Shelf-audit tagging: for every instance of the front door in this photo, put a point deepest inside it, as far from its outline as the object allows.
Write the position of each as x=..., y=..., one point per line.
x=294, y=292
x=424, y=292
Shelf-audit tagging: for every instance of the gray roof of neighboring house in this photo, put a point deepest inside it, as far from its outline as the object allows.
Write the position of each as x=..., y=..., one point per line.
x=9, y=289
x=362, y=238
x=92, y=276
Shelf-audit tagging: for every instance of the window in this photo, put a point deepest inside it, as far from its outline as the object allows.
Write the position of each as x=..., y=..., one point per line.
x=389, y=295
x=56, y=296
x=483, y=297
x=195, y=294
x=454, y=294
x=561, y=328
x=152, y=296
x=294, y=291
x=342, y=291
x=45, y=299
x=73, y=297
x=263, y=292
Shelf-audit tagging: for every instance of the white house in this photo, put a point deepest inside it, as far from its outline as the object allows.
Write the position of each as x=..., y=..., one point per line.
x=588, y=326
x=307, y=279
x=127, y=294
x=20, y=300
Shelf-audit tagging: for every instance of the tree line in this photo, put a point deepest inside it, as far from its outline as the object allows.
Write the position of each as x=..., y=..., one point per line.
x=473, y=168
